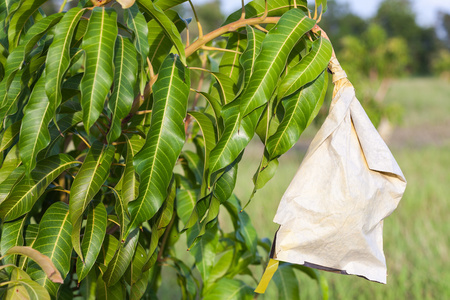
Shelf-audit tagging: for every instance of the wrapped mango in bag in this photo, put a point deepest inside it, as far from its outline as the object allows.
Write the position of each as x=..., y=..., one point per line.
x=331, y=215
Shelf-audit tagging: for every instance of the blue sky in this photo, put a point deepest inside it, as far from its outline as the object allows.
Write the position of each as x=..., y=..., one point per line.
x=426, y=10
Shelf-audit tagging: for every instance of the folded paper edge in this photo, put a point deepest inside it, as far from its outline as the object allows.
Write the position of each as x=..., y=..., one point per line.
x=377, y=153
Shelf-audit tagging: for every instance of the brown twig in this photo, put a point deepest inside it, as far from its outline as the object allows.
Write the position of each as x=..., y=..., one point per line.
x=228, y=28
x=165, y=237
x=316, y=29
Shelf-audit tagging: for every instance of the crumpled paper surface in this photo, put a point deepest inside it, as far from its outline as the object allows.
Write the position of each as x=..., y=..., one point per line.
x=331, y=215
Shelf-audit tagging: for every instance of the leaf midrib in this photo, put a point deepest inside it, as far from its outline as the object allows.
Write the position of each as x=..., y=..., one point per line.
x=66, y=42
x=307, y=66
x=90, y=238
x=227, y=141
x=158, y=140
x=56, y=243
x=119, y=86
x=273, y=61
x=97, y=65
x=40, y=132
x=283, y=132
x=34, y=186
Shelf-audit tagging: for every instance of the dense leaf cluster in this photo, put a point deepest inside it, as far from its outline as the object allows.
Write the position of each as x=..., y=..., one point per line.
x=120, y=142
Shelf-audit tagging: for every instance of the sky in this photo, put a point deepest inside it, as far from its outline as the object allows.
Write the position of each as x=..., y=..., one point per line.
x=426, y=10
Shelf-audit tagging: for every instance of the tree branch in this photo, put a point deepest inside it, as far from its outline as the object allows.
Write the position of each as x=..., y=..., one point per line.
x=228, y=28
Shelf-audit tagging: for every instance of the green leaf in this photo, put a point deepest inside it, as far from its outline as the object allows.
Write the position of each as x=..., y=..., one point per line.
x=230, y=289
x=20, y=54
x=300, y=110
x=271, y=61
x=165, y=139
x=139, y=279
x=26, y=289
x=215, y=104
x=256, y=8
x=186, y=280
x=121, y=260
x=247, y=59
x=220, y=268
x=98, y=44
x=12, y=235
x=224, y=87
x=267, y=171
x=15, y=290
x=160, y=44
x=34, y=134
x=286, y=282
x=18, y=20
x=138, y=25
x=128, y=191
x=121, y=100
x=25, y=193
x=13, y=173
x=205, y=251
x=89, y=285
x=87, y=183
x=207, y=128
x=105, y=292
x=166, y=4
x=134, y=272
x=31, y=232
x=245, y=231
x=167, y=25
x=53, y=240
x=311, y=66
x=65, y=123
x=186, y=200
x=323, y=3
x=234, y=138
x=227, y=181
x=9, y=136
x=94, y=234
x=58, y=57
x=229, y=64
x=109, y=247
x=136, y=22
x=193, y=164
x=17, y=92
x=316, y=275
x=165, y=215
x=121, y=212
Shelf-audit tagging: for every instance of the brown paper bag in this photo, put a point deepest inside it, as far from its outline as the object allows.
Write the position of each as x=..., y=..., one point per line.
x=331, y=215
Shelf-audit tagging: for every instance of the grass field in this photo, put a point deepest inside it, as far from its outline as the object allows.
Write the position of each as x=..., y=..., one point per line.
x=417, y=234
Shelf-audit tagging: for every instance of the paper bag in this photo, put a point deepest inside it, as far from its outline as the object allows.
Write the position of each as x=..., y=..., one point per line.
x=331, y=215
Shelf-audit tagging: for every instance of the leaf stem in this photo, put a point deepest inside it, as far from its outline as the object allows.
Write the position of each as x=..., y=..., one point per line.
x=243, y=10
x=143, y=112
x=165, y=237
x=62, y=6
x=82, y=138
x=6, y=282
x=261, y=28
x=199, y=26
x=316, y=29
x=219, y=49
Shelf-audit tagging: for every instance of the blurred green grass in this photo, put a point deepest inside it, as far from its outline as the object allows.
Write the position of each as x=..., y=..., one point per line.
x=416, y=235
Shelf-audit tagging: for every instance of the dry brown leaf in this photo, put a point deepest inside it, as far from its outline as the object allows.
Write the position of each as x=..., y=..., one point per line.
x=42, y=260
